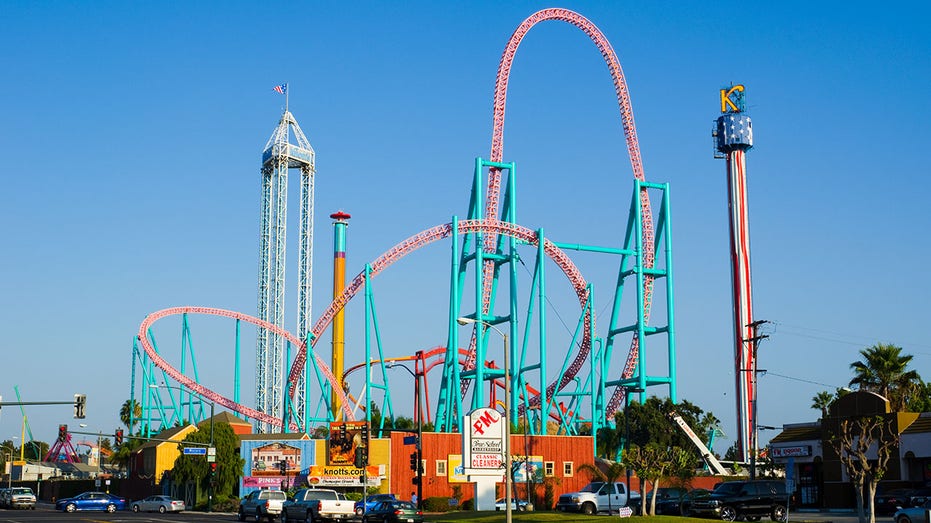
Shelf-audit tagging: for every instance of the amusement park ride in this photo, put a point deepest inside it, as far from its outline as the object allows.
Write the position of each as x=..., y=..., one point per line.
x=296, y=390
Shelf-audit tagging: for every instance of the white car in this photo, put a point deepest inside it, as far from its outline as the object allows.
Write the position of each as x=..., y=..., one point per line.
x=160, y=504
x=516, y=504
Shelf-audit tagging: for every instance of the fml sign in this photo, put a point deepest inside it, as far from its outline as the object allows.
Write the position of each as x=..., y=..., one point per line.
x=483, y=441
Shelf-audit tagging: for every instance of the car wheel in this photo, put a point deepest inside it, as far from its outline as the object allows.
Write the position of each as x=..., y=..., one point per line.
x=728, y=514
x=588, y=509
x=258, y=515
x=309, y=517
x=70, y=507
x=779, y=513
x=111, y=508
x=161, y=509
x=903, y=519
x=135, y=508
x=521, y=508
x=685, y=509
x=242, y=515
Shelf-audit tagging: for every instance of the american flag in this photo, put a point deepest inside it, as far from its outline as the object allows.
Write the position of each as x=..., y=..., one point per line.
x=281, y=89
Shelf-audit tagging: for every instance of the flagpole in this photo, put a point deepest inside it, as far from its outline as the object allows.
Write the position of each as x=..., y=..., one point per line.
x=286, y=95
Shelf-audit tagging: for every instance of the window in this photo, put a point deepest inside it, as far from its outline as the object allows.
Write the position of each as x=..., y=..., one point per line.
x=441, y=467
x=567, y=469
x=549, y=468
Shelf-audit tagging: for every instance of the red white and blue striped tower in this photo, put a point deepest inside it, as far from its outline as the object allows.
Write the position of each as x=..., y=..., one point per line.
x=734, y=137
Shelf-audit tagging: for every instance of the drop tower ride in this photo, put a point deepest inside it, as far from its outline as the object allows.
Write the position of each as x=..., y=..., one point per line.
x=733, y=138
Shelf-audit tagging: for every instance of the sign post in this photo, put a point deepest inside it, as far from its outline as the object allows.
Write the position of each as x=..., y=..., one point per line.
x=483, y=455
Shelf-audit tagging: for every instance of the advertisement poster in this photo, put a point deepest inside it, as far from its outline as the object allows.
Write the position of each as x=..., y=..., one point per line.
x=275, y=463
x=345, y=437
x=525, y=467
x=454, y=469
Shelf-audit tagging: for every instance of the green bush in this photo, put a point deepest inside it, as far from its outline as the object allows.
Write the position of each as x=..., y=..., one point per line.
x=468, y=504
x=437, y=504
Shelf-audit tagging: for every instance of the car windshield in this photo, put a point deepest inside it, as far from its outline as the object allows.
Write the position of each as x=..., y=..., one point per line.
x=22, y=491
x=405, y=505
x=592, y=487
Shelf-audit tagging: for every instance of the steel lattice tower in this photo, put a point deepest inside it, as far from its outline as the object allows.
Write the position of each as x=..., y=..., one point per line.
x=278, y=157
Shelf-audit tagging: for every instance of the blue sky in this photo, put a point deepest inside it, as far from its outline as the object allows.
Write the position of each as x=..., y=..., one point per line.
x=132, y=138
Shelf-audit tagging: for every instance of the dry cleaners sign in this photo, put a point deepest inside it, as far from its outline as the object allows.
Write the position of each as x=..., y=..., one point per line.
x=483, y=441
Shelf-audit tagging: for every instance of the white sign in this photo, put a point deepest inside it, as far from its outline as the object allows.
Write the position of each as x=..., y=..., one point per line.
x=483, y=440
x=790, y=452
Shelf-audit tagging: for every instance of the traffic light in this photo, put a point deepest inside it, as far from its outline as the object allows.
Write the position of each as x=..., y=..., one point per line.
x=118, y=437
x=414, y=461
x=213, y=467
x=362, y=458
x=80, y=401
x=63, y=433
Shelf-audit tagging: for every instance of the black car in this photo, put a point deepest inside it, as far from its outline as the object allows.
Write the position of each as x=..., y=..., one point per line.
x=889, y=501
x=395, y=511
x=750, y=500
x=685, y=506
x=667, y=500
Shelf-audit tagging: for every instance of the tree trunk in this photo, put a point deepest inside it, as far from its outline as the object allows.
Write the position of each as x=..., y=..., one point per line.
x=653, y=499
x=861, y=514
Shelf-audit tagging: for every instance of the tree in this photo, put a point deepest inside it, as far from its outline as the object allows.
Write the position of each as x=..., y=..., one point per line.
x=653, y=462
x=650, y=424
x=610, y=473
x=883, y=370
x=821, y=401
x=130, y=413
x=196, y=468
x=851, y=439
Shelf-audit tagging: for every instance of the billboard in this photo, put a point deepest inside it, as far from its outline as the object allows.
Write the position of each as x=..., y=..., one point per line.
x=345, y=437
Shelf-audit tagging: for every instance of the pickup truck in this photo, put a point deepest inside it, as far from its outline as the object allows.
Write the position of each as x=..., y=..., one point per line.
x=22, y=497
x=599, y=496
x=262, y=504
x=317, y=504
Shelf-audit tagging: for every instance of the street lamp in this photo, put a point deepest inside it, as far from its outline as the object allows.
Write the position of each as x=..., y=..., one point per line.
x=508, y=515
x=419, y=413
x=84, y=425
x=212, y=407
x=627, y=391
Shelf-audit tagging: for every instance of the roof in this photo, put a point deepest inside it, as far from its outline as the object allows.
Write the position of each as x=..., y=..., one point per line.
x=175, y=434
x=800, y=432
x=920, y=425
x=281, y=436
x=224, y=417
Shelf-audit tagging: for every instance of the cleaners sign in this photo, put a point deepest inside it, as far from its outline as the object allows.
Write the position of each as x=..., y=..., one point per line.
x=483, y=441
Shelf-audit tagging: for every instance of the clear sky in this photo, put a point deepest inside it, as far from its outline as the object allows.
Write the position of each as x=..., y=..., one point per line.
x=131, y=141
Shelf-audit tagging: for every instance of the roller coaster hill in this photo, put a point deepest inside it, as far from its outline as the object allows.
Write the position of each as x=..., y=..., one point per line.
x=500, y=279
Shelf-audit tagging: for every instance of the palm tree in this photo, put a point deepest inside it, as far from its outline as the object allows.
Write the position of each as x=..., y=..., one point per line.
x=821, y=401
x=883, y=370
x=130, y=413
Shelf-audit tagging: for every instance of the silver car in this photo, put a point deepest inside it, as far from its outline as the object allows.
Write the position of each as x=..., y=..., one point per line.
x=160, y=504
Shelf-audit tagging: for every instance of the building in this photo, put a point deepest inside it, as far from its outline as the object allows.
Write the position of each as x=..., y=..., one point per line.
x=820, y=481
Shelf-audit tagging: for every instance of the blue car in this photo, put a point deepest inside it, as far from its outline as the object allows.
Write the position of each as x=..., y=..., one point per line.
x=371, y=501
x=91, y=501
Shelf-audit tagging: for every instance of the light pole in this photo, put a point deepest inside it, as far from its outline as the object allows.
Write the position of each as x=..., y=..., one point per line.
x=84, y=425
x=419, y=414
x=212, y=406
x=9, y=466
x=754, y=431
x=508, y=513
x=627, y=391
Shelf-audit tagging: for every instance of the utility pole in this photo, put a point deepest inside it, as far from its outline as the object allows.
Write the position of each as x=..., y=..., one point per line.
x=754, y=342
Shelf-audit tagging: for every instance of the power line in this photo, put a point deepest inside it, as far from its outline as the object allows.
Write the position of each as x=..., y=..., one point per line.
x=841, y=338
x=793, y=378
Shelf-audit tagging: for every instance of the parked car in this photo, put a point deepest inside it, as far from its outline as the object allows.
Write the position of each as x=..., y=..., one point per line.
x=4, y=497
x=396, y=511
x=371, y=501
x=912, y=514
x=667, y=499
x=889, y=501
x=160, y=504
x=516, y=504
x=685, y=506
x=91, y=501
x=750, y=500
x=21, y=497
x=262, y=504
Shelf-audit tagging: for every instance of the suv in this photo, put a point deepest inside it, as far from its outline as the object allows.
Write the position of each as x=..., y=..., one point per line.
x=750, y=500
